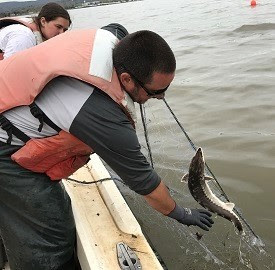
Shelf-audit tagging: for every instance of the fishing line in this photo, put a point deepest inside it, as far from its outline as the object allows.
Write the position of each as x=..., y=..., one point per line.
x=143, y=118
x=212, y=174
x=183, y=240
x=194, y=147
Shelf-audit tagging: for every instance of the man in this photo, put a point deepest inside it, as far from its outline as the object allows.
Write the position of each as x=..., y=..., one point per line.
x=89, y=107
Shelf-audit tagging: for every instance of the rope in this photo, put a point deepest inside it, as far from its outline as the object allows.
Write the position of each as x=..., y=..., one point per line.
x=214, y=177
x=94, y=182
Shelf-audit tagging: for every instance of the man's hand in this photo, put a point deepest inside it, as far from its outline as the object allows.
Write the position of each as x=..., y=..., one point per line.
x=196, y=217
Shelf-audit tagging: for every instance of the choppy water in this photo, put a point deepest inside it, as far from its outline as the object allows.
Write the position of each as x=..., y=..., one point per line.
x=223, y=92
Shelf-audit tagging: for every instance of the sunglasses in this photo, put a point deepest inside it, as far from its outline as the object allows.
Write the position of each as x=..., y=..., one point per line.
x=150, y=93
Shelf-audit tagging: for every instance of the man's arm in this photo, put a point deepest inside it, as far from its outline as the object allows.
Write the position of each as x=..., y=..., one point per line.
x=102, y=125
x=160, y=199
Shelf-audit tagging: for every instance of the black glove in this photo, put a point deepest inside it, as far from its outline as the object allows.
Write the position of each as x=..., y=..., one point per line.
x=197, y=217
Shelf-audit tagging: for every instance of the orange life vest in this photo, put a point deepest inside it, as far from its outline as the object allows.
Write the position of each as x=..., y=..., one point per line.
x=83, y=54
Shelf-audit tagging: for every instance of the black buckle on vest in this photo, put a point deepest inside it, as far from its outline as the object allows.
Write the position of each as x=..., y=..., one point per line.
x=43, y=118
x=37, y=113
x=6, y=125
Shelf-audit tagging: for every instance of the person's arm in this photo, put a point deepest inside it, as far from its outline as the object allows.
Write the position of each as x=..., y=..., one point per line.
x=103, y=126
x=160, y=199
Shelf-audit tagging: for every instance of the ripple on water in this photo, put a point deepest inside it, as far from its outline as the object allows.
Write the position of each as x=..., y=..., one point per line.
x=255, y=27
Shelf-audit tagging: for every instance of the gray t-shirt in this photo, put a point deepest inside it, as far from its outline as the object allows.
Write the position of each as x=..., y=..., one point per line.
x=94, y=118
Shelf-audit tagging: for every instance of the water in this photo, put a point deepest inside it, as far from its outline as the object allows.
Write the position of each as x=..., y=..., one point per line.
x=222, y=93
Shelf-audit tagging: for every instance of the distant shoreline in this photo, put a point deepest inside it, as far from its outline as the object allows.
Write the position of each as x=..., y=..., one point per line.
x=105, y=4
x=11, y=9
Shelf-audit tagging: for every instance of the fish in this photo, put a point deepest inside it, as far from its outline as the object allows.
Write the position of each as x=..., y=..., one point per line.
x=201, y=192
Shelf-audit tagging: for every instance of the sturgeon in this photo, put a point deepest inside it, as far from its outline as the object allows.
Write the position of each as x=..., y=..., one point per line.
x=200, y=190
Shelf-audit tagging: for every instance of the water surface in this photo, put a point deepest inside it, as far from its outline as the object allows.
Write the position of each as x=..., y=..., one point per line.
x=224, y=96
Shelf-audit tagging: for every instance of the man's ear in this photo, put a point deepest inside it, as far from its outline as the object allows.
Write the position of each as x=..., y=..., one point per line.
x=127, y=81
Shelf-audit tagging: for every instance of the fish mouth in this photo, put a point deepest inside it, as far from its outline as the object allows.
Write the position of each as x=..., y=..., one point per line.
x=199, y=153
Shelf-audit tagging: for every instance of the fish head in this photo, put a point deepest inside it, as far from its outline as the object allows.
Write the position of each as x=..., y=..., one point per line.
x=196, y=167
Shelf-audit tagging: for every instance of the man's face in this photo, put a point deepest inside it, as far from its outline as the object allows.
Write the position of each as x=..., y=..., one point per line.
x=140, y=92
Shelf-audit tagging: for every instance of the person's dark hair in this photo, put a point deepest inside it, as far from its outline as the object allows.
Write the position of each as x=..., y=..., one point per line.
x=50, y=12
x=142, y=53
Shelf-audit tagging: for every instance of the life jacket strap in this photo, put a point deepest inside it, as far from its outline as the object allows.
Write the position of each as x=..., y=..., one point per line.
x=37, y=113
x=6, y=125
x=43, y=118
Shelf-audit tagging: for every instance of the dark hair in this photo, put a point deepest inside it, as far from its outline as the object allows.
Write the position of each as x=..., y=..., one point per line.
x=50, y=12
x=143, y=53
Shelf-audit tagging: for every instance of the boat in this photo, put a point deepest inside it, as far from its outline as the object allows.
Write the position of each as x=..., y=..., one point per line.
x=108, y=235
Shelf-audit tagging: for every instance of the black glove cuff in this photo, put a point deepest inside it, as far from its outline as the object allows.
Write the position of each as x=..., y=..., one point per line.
x=178, y=213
